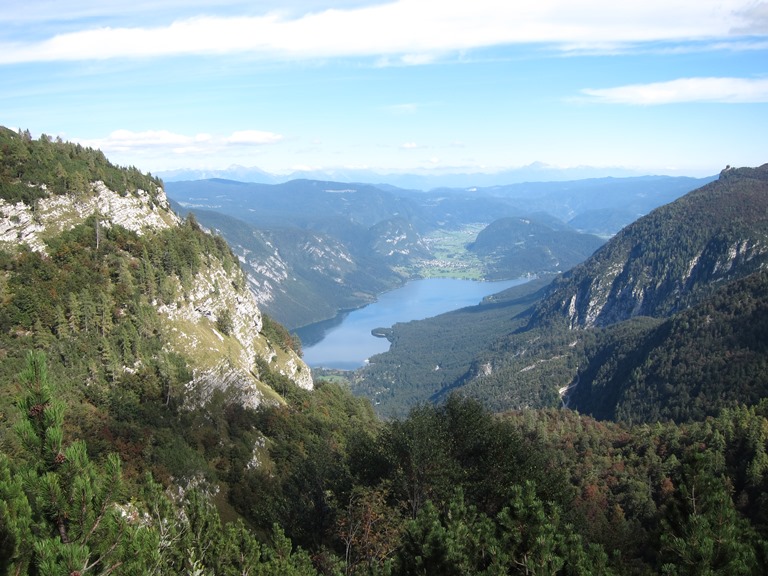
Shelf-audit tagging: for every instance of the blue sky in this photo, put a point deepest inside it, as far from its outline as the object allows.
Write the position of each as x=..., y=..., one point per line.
x=659, y=86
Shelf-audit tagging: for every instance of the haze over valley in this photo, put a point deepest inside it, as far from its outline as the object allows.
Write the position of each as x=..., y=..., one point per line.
x=312, y=249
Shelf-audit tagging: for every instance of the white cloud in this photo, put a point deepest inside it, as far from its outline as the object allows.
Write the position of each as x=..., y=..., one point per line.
x=128, y=140
x=163, y=143
x=417, y=59
x=723, y=90
x=755, y=17
x=253, y=138
x=399, y=109
x=414, y=30
x=409, y=146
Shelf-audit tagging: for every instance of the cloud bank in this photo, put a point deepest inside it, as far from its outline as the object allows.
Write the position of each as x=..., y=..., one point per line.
x=720, y=90
x=409, y=29
x=168, y=144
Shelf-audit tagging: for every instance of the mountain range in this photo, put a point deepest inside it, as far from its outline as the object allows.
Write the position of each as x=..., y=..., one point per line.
x=341, y=244
x=534, y=172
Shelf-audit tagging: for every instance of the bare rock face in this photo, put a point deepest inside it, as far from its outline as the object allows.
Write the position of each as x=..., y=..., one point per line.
x=665, y=261
x=139, y=212
x=218, y=325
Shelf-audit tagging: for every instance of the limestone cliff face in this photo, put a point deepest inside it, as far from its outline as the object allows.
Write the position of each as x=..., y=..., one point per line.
x=140, y=212
x=215, y=322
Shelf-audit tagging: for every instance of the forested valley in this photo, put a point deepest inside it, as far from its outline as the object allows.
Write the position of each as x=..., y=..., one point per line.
x=112, y=460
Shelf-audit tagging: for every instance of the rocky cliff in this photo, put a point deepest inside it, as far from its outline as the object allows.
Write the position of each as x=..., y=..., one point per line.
x=140, y=212
x=215, y=321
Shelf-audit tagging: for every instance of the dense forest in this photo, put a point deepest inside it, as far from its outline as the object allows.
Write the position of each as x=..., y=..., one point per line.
x=111, y=463
x=447, y=490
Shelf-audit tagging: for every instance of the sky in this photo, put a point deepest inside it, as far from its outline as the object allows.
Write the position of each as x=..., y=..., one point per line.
x=431, y=86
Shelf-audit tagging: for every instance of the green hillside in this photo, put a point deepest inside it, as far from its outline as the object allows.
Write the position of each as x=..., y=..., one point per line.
x=668, y=260
x=58, y=167
x=711, y=356
x=514, y=247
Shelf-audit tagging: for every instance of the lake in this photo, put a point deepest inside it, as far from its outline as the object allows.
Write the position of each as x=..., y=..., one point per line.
x=345, y=342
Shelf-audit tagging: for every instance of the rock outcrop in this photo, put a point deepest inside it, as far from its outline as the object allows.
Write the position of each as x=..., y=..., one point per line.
x=139, y=212
x=222, y=354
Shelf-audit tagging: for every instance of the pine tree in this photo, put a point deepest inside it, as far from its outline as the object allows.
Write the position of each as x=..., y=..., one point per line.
x=77, y=524
x=703, y=531
x=74, y=312
x=15, y=522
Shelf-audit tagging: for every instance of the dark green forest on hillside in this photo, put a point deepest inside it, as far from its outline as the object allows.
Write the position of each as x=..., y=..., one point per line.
x=447, y=490
x=321, y=485
x=686, y=368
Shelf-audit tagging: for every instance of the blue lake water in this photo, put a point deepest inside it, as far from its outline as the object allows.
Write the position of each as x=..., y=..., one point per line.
x=346, y=342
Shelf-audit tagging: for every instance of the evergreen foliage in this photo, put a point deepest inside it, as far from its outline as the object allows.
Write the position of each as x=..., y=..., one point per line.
x=32, y=169
x=63, y=513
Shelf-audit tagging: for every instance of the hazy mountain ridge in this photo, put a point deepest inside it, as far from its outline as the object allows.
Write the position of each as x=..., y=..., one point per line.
x=536, y=171
x=517, y=245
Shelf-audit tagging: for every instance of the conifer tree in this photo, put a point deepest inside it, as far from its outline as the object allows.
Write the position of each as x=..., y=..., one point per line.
x=77, y=525
x=15, y=522
x=703, y=533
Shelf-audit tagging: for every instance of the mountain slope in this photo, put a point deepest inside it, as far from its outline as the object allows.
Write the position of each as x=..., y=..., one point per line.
x=303, y=276
x=614, y=336
x=711, y=356
x=513, y=247
x=148, y=259
x=309, y=204
x=673, y=257
x=678, y=256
